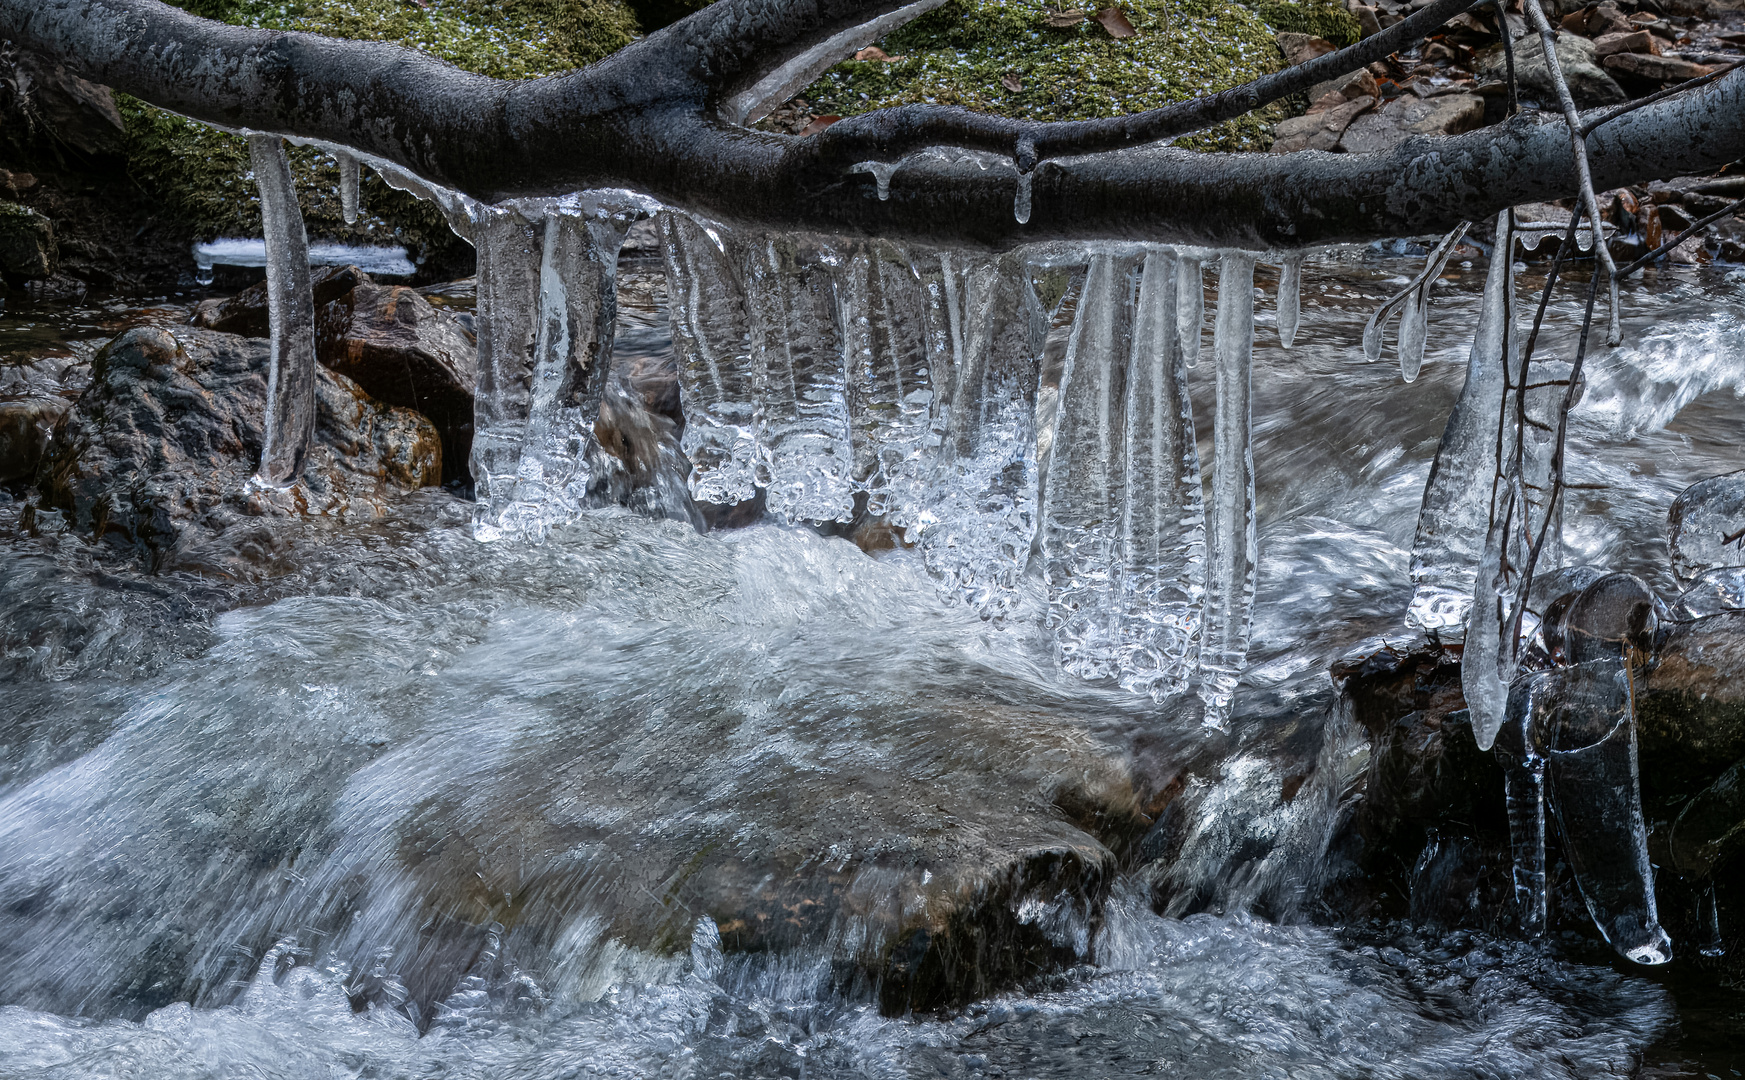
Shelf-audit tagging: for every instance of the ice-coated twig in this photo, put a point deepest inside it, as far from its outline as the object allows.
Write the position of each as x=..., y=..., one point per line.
x=1679, y=239
x=290, y=418
x=1578, y=149
x=1432, y=268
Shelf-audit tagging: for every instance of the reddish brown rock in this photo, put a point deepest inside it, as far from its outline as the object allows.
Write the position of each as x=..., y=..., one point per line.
x=1641, y=41
x=1657, y=68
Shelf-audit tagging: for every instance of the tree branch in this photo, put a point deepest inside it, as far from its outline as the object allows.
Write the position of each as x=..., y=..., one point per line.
x=645, y=118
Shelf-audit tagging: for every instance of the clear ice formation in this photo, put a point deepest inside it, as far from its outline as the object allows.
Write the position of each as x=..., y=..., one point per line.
x=889, y=336
x=350, y=186
x=1571, y=739
x=1083, y=507
x=290, y=417
x=980, y=520
x=1230, y=540
x=1487, y=662
x=1290, y=299
x=1413, y=304
x=1021, y=201
x=547, y=297
x=1453, y=521
x=1190, y=308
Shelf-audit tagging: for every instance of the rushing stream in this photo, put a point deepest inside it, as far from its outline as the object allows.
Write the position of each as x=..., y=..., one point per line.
x=397, y=803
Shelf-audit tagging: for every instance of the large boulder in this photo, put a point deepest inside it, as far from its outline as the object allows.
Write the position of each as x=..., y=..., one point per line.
x=75, y=113
x=388, y=339
x=169, y=434
x=1588, y=83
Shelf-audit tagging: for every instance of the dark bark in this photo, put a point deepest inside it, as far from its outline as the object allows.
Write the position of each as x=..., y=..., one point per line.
x=646, y=118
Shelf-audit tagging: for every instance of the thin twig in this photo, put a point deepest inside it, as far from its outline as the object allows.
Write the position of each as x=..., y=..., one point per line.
x=1502, y=25
x=1679, y=239
x=1578, y=147
x=1658, y=95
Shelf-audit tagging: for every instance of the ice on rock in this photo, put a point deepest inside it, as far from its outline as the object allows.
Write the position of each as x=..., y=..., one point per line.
x=1190, y=308
x=1290, y=299
x=547, y=306
x=1453, y=520
x=890, y=349
x=713, y=344
x=1230, y=540
x=1163, y=529
x=350, y=186
x=290, y=417
x=805, y=459
x=980, y=522
x=1083, y=506
x=1520, y=750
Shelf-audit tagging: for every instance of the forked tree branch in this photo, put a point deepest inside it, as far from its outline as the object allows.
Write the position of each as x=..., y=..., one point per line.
x=649, y=118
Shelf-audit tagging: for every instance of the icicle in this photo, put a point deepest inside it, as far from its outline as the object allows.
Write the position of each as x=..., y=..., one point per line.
x=1455, y=514
x=1415, y=300
x=350, y=185
x=1592, y=766
x=1021, y=202
x=714, y=357
x=1519, y=751
x=1713, y=944
x=1163, y=529
x=1487, y=663
x=1230, y=546
x=1190, y=308
x=881, y=173
x=1290, y=298
x=884, y=319
x=1082, y=506
x=290, y=418
x=980, y=522
x=547, y=308
x=805, y=458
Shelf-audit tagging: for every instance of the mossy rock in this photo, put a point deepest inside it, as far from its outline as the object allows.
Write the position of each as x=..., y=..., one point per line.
x=201, y=176
x=1322, y=18
x=960, y=54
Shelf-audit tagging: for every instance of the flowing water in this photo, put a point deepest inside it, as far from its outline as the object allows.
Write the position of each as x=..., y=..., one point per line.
x=386, y=801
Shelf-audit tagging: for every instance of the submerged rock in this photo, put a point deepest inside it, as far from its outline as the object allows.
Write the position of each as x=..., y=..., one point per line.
x=1705, y=526
x=169, y=433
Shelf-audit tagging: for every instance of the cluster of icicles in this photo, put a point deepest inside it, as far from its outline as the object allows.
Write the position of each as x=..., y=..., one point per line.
x=826, y=371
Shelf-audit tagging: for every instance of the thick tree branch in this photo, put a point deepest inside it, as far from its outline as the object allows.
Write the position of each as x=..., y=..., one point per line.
x=645, y=118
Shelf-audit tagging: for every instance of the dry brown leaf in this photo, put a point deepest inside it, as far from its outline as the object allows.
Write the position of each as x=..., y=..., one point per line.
x=1062, y=19
x=1012, y=82
x=819, y=123
x=1115, y=21
x=873, y=52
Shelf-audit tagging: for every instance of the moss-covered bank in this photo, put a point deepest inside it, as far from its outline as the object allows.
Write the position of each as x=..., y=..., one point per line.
x=1006, y=57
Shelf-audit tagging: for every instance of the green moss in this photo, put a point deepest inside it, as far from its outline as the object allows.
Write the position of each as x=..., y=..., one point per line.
x=201, y=176
x=1323, y=18
x=960, y=53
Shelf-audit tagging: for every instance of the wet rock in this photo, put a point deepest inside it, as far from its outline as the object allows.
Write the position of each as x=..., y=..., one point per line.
x=1711, y=828
x=1447, y=114
x=1588, y=83
x=1692, y=714
x=75, y=112
x=169, y=433
x=27, y=243
x=1706, y=526
x=246, y=312
x=1639, y=41
x=403, y=351
x=25, y=428
x=390, y=340
x=1656, y=68
x=1318, y=130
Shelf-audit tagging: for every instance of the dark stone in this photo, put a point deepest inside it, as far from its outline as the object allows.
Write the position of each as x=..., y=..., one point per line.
x=27, y=243
x=161, y=447
x=25, y=428
x=246, y=312
x=403, y=351
x=1447, y=114
x=78, y=114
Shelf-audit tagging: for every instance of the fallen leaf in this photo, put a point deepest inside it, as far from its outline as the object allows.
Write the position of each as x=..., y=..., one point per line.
x=819, y=123
x=1115, y=21
x=1012, y=82
x=873, y=52
x=1062, y=19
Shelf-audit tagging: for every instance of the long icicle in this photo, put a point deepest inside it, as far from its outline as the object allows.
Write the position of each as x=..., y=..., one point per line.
x=290, y=417
x=1290, y=298
x=1578, y=149
x=1230, y=541
x=1190, y=308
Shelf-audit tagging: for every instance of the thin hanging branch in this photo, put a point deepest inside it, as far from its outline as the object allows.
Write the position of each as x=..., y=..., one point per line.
x=1578, y=150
